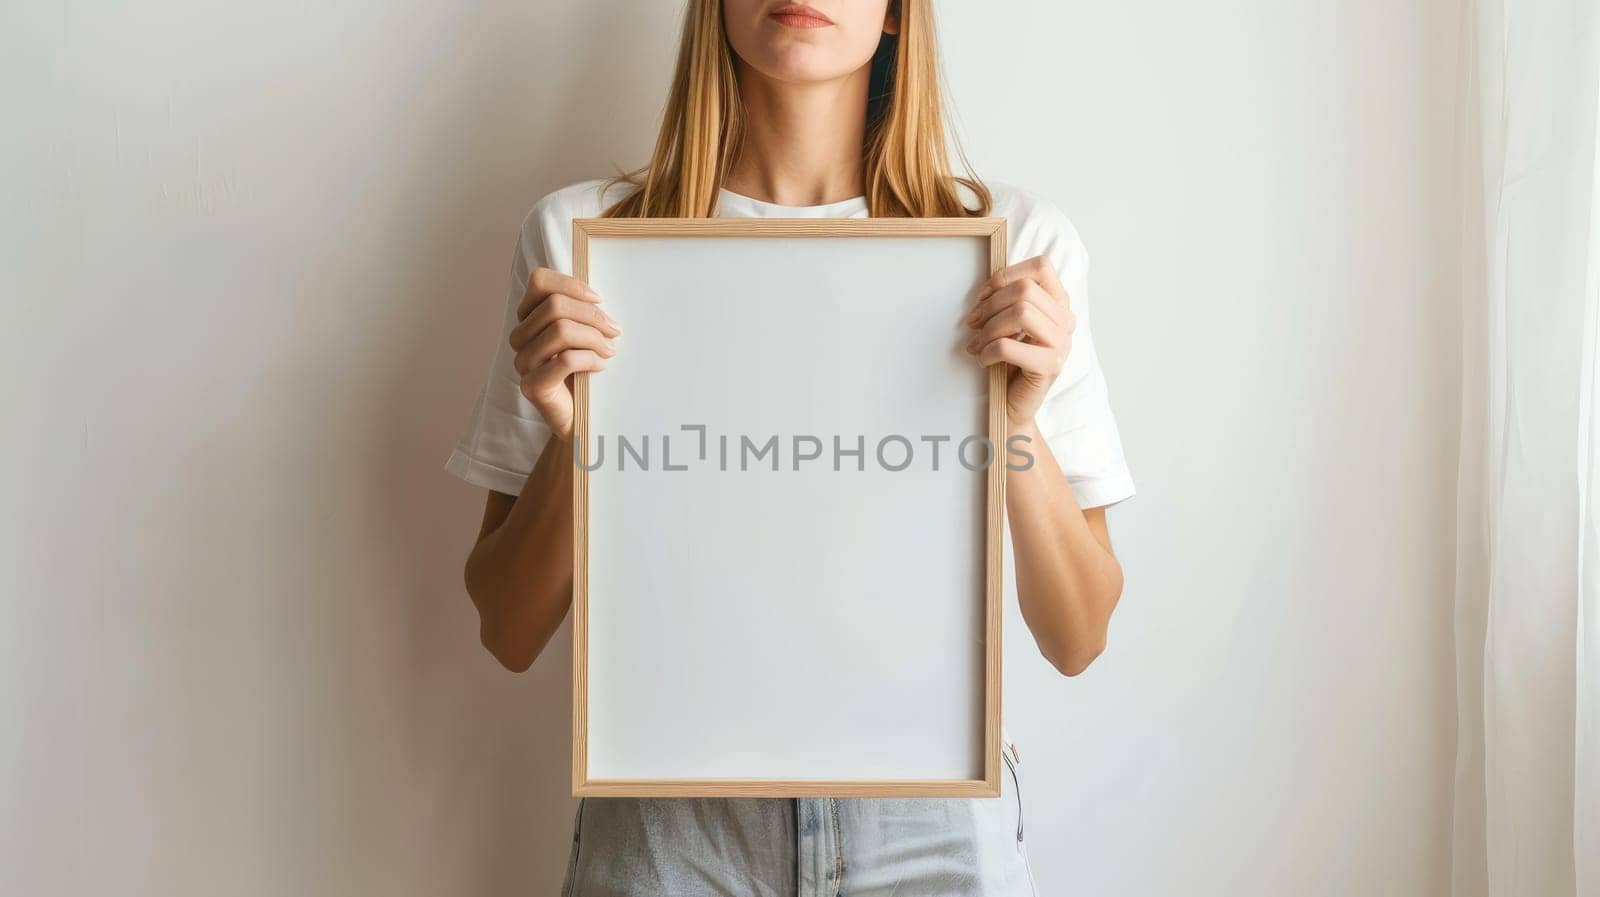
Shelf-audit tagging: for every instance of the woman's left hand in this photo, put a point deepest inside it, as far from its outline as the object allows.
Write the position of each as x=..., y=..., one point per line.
x=1024, y=319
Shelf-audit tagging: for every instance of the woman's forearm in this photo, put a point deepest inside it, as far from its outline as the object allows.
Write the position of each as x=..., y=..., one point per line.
x=520, y=573
x=1068, y=581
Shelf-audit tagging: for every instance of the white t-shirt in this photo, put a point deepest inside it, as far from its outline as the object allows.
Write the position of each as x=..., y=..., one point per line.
x=505, y=435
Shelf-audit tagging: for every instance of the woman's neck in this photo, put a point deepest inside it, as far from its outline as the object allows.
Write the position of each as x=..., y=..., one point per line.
x=802, y=142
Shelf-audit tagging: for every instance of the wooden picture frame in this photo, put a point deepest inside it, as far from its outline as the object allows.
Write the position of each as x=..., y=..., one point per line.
x=991, y=231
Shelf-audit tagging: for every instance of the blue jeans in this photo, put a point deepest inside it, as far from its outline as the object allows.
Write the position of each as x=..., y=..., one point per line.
x=806, y=847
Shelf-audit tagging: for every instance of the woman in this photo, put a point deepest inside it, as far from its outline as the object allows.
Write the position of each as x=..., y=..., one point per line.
x=786, y=110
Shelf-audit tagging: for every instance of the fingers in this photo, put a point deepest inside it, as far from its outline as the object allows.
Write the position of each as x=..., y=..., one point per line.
x=545, y=281
x=1037, y=269
x=552, y=374
x=559, y=337
x=561, y=307
x=1019, y=292
x=1023, y=356
x=561, y=331
x=1021, y=319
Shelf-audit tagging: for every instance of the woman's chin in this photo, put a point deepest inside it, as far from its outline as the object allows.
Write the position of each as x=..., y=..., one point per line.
x=801, y=65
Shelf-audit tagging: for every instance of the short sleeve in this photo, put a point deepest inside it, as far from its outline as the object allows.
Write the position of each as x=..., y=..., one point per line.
x=1075, y=418
x=505, y=433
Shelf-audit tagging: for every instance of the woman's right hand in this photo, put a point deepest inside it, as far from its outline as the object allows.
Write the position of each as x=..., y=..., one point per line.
x=562, y=331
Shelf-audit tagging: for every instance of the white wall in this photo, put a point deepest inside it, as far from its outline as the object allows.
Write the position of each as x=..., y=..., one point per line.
x=253, y=263
x=1265, y=190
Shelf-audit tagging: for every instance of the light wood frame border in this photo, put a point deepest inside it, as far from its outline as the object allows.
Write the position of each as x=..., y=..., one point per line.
x=584, y=229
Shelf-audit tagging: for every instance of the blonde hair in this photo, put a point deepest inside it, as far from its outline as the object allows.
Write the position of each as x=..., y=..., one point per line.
x=905, y=163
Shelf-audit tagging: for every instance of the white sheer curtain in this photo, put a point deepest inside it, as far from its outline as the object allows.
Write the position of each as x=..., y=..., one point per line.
x=1527, y=806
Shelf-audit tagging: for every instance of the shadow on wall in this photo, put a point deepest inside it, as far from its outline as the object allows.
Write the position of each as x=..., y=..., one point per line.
x=484, y=741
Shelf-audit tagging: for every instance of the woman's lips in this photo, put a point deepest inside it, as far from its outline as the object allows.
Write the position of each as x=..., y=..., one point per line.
x=797, y=16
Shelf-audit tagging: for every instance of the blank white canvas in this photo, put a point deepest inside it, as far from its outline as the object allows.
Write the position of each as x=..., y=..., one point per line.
x=810, y=624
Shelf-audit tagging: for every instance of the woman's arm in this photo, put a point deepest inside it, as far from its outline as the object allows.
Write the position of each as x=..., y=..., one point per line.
x=519, y=573
x=1068, y=580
